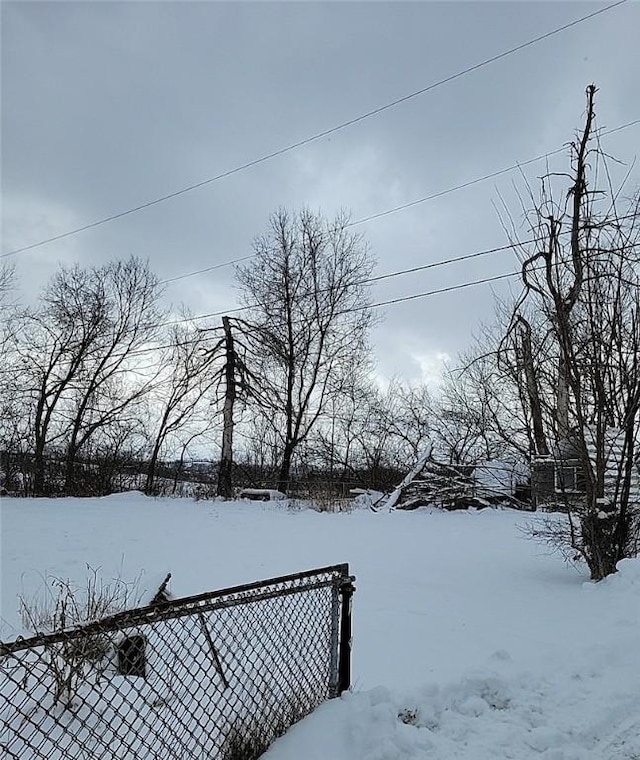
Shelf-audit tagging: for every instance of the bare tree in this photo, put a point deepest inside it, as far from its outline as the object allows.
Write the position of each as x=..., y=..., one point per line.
x=181, y=392
x=308, y=296
x=478, y=414
x=336, y=439
x=225, y=485
x=7, y=306
x=237, y=384
x=55, y=342
x=12, y=411
x=582, y=278
x=257, y=446
x=78, y=357
x=113, y=380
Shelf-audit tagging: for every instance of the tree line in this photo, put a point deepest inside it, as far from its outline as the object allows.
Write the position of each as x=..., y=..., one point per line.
x=97, y=381
x=94, y=378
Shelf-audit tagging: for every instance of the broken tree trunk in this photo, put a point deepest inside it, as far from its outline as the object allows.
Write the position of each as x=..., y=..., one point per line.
x=393, y=497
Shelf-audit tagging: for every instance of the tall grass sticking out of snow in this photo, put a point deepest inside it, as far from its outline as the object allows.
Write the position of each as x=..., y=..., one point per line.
x=65, y=606
x=251, y=736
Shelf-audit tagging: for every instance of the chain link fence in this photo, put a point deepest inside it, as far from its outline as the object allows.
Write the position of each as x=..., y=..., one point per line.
x=217, y=676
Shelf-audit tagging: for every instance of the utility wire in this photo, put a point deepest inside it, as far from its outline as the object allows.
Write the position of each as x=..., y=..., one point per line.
x=208, y=269
x=323, y=133
x=379, y=304
x=410, y=204
x=477, y=180
x=393, y=301
x=368, y=280
x=448, y=289
x=402, y=299
x=202, y=336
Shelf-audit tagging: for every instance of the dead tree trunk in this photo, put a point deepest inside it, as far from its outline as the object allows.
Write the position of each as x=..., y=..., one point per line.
x=225, y=485
x=533, y=394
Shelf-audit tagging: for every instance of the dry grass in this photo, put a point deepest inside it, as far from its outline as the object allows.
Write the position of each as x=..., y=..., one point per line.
x=64, y=606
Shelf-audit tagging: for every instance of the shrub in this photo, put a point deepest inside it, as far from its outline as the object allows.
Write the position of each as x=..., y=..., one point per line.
x=64, y=608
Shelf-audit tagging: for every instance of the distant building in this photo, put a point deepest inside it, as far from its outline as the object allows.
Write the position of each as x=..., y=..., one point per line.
x=560, y=478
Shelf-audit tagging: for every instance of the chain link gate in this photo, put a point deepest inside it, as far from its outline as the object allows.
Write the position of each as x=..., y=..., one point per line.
x=216, y=676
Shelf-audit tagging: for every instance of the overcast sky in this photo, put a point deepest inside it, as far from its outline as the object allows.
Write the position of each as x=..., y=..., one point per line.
x=108, y=105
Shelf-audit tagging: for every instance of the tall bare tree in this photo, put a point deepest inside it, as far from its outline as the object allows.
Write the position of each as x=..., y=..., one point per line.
x=479, y=413
x=12, y=411
x=582, y=278
x=181, y=393
x=112, y=379
x=55, y=342
x=237, y=384
x=78, y=361
x=308, y=295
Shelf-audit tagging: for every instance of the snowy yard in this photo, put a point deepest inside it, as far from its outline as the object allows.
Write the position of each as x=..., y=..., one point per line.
x=469, y=642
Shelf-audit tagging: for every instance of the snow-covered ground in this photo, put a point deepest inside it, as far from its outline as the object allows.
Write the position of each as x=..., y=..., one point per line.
x=469, y=642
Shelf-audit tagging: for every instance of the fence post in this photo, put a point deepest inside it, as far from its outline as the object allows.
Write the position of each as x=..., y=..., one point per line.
x=344, y=666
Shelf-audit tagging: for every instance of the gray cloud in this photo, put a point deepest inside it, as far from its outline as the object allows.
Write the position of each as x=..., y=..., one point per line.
x=108, y=105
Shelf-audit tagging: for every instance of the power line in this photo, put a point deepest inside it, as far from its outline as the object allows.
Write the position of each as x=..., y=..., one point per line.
x=369, y=280
x=477, y=180
x=393, y=301
x=431, y=265
x=402, y=299
x=323, y=133
x=379, y=304
x=389, y=275
x=410, y=204
x=208, y=269
x=448, y=289
x=366, y=281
